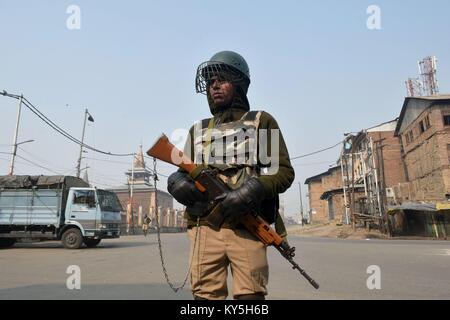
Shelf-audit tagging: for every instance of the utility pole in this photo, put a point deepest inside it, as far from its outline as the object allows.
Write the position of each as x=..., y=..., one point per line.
x=301, y=202
x=384, y=205
x=352, y=199
x=344, y=182
x=131, y=194
x=14, y=150
x=90, y=118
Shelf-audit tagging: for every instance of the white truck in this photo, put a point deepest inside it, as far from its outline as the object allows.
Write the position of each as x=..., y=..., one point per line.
x=62, y=208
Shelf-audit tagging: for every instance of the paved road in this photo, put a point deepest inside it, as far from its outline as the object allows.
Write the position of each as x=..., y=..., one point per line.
x=129, y=268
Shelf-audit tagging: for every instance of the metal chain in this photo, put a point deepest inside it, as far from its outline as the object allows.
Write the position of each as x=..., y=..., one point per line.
x=171, y=285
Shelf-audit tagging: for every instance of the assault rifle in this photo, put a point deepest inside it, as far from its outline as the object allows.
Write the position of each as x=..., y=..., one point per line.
x=206, y=180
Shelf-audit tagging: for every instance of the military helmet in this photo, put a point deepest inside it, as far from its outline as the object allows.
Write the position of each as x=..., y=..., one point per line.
x=227, y=66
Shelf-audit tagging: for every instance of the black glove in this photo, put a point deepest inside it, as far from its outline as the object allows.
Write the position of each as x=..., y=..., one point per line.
x=183, y=189
x=243, y=200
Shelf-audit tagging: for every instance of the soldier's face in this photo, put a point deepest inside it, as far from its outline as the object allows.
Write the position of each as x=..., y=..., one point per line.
x=221, y=92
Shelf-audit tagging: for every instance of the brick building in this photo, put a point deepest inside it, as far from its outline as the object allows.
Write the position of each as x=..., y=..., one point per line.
x=370, y=163
x=424, y=130
x=423, y=202
x=396, y=174
x=322, y=210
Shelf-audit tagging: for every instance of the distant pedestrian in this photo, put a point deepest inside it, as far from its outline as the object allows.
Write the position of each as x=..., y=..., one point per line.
x=145, y=225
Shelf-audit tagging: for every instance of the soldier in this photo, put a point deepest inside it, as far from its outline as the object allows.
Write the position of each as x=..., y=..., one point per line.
x=254, y=181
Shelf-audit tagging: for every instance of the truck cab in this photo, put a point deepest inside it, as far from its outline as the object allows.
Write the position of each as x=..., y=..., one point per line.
x=95, y=213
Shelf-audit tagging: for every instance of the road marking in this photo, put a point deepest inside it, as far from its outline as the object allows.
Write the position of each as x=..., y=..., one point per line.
x=445, y=252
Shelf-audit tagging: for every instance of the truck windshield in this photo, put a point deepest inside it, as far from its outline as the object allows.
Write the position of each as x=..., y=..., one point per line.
x=108, y=201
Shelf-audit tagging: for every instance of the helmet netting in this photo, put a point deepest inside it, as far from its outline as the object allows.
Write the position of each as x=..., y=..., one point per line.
x=217, y=70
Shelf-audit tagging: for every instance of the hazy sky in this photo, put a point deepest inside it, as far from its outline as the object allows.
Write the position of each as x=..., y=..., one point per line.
x=315, y=66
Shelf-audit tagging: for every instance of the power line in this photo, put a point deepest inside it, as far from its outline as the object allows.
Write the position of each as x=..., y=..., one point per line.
x=64, y=133
x=38, y=165
x=73, y=170
x=316, y=152
x=313, y=163
x=59, y=173
x=151, y=170
x=125, y=163
x=161, y=163
x=32, y=164
x=101, y=183
x=58, y=129
x=43, y=160
x=104, y=160
x=157, y=173
x=299, y=157
x=103, y=176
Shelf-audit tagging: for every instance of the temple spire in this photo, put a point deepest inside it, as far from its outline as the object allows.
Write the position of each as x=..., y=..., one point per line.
x=139, y=161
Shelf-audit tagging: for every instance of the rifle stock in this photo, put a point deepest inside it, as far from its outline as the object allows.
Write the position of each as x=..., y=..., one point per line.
x=165, y=151
x=206, y=181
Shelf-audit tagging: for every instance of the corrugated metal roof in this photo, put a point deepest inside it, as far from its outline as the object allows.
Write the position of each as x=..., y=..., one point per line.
x=436, y=97
x=417, y=206
x=429, y=99
x=385, y=126
x=317, y=177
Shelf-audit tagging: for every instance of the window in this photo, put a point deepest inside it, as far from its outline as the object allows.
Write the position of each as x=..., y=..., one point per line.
x=84, y=197
x=446, y=120
x=422, y=127
x=427, y=123
x=109, y=201
x=409, y=137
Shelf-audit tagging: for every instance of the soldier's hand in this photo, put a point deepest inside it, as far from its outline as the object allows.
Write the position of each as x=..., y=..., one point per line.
x=243, y=200
x=183, y=189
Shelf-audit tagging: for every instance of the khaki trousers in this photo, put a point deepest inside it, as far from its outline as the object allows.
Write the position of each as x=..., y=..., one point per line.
x=215, y=251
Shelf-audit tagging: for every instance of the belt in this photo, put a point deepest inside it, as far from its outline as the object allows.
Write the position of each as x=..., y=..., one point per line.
x=224, y=225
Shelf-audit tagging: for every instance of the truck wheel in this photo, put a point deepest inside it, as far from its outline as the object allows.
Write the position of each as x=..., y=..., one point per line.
x=7, y=242
x=91, y=243
x=72, y=239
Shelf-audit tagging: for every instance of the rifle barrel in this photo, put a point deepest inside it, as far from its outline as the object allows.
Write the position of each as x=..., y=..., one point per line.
x=302, y=272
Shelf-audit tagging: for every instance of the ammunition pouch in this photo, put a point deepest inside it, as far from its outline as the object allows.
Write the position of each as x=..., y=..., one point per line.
x=199, y=209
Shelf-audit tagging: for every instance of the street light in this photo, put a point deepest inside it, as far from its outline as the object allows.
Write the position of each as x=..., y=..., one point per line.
x=87, y=116
x=85, y=168
x=24, y=142
x=85, y=177
x=13, y=155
